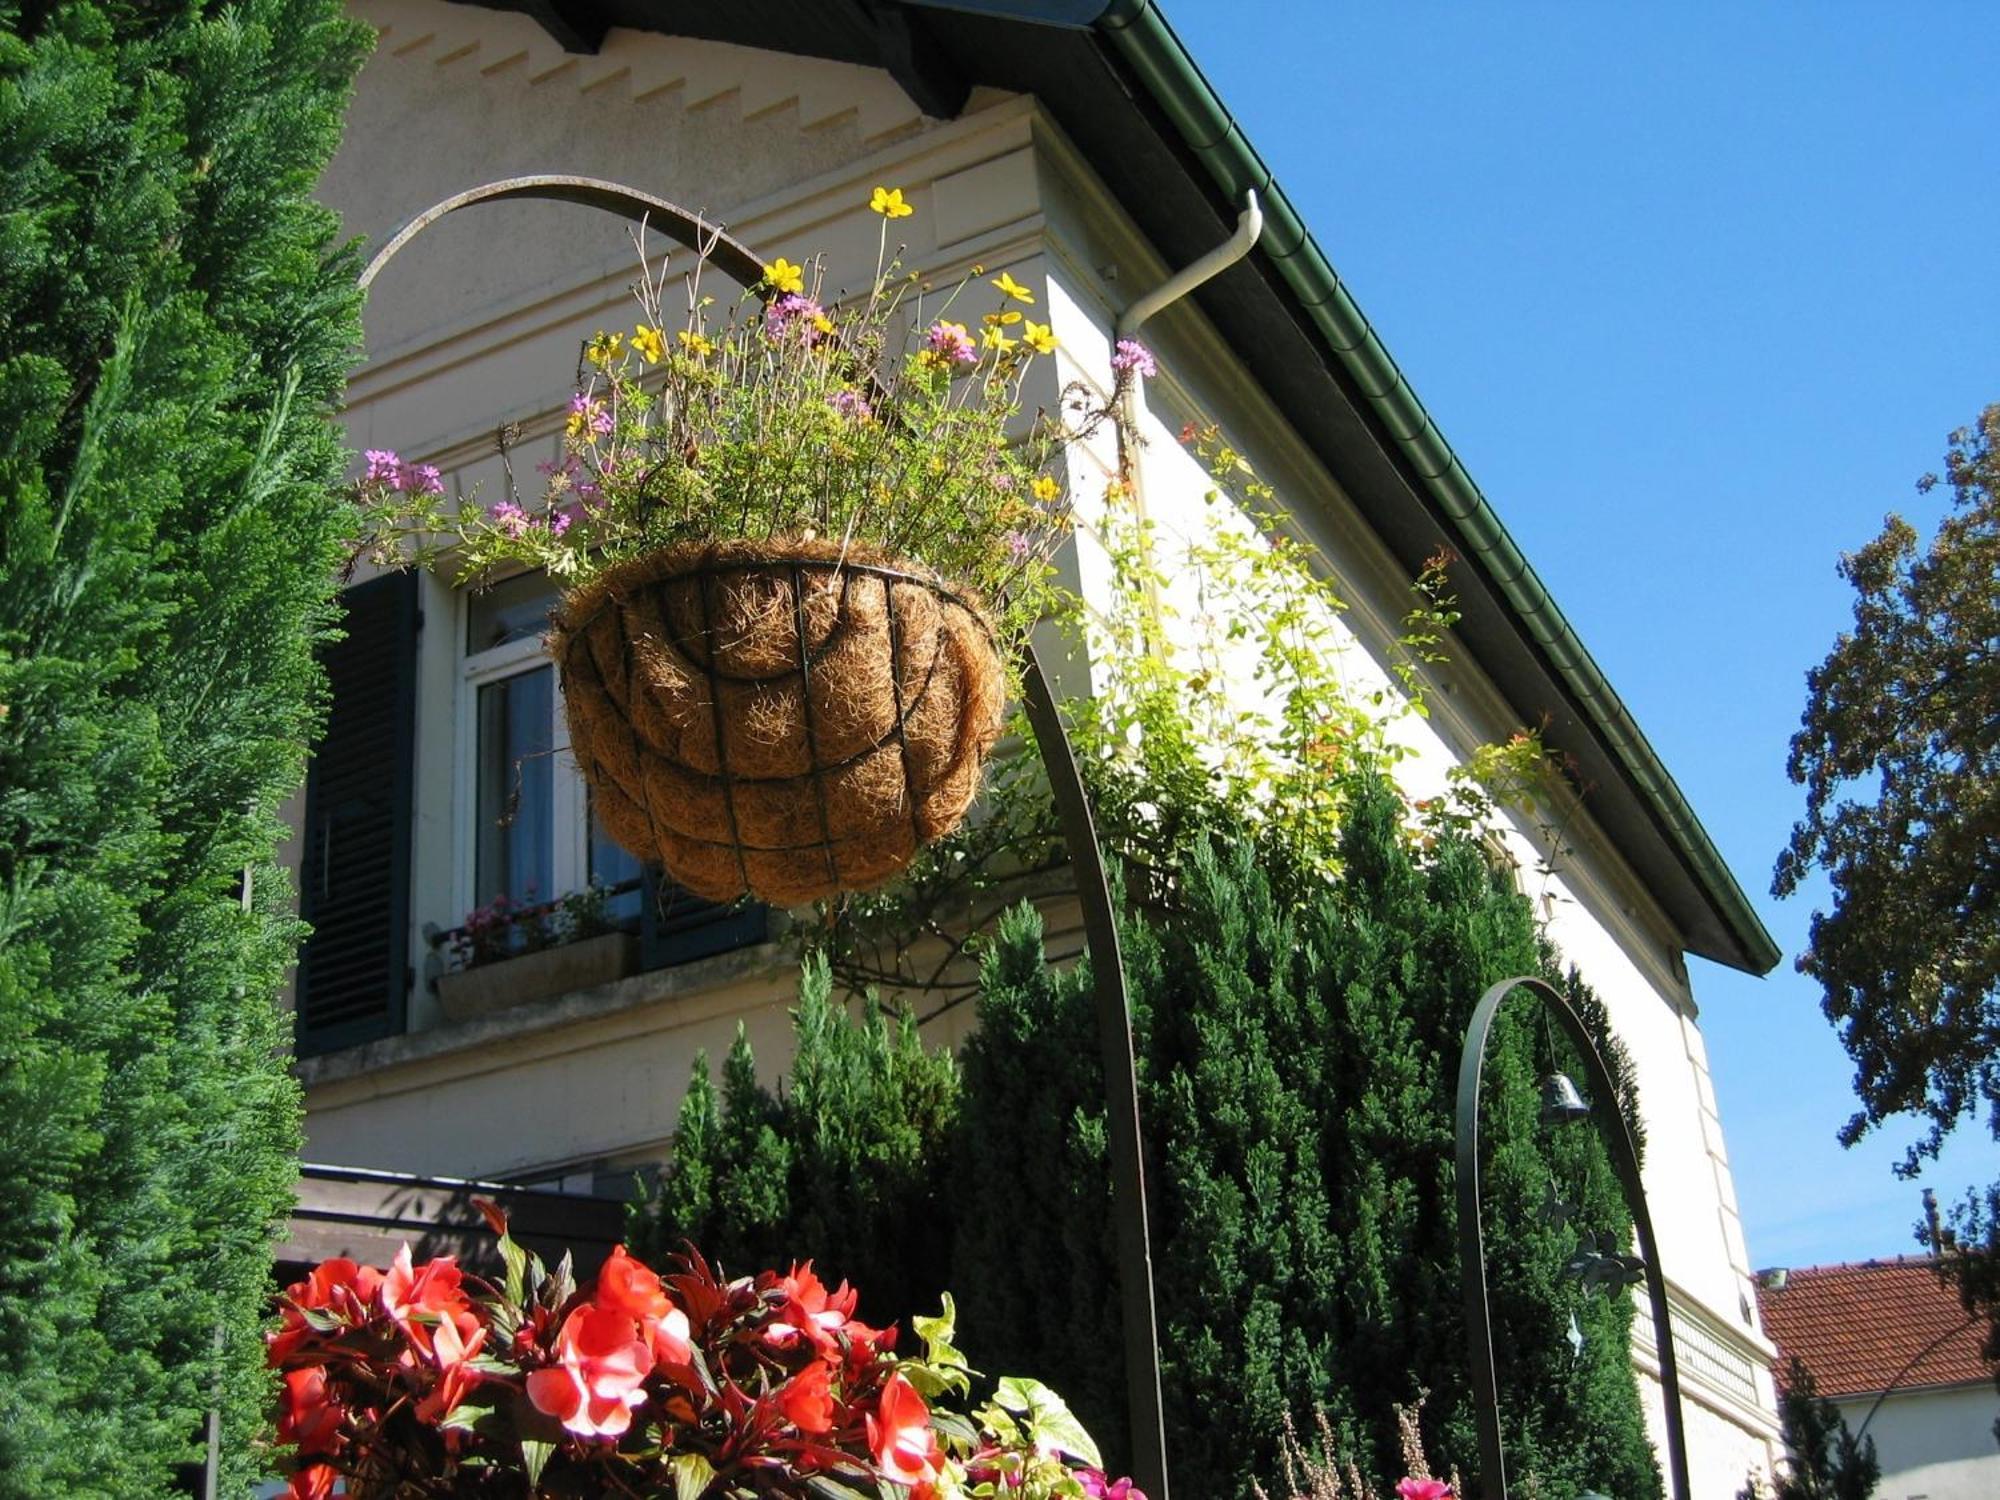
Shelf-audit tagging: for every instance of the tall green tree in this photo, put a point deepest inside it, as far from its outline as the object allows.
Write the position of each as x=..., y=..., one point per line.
x=1298, y=1044
x=1899, y=753
x=178, y=325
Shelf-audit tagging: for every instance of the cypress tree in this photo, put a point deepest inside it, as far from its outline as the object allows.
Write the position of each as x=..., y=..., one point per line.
x=178, y=328
x=1299, y=1046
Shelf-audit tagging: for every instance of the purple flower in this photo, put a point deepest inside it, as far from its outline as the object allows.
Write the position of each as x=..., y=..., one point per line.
x=560, y=522
x=589, y=493
x=1019, y=546
x=383, y=466
x=1134, y=356
x=588, y=415
x=423, y=479
x=792, y=311
x=510, y=518
x=851, y=404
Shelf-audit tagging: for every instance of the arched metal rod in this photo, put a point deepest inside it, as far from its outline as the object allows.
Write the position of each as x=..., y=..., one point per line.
x=1472, y=1239
x=1121, y=1081
x=1100, y=923
x=729, y=255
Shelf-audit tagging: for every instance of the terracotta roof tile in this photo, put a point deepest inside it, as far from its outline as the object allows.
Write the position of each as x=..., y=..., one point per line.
x=1857, y=1326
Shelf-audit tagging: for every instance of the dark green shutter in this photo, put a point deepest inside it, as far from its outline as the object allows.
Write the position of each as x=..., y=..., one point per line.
x=354, y=881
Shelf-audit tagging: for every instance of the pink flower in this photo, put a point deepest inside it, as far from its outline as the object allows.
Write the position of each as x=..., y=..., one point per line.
x=952, y=343
x=1134, y=356
x=510, y=518
x=560, y=522
x=1100, y=1486
x=1423, y=1489
x=602, y=1362
x=1019, y=546
x=384, y=467
x=423, y=479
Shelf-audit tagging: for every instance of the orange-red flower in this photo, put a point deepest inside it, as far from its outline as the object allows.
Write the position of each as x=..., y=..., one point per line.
x=453, y=1353
x=807, y=1399
x=337, y=1286
x=629, y=1286
x=417, y=1297
x=812, y=1310
x=313, y=1482
x=309, y=1416
x=595, y=1385
x=900, y=1436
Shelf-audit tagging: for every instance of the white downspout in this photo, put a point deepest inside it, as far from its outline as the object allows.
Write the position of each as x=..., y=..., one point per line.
x=1249, y=225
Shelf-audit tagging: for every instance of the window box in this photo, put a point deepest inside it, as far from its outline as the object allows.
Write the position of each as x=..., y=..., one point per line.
x=542, y=975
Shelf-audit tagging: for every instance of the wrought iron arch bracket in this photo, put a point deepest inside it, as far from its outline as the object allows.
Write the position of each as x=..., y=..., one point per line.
x=1472, y=1239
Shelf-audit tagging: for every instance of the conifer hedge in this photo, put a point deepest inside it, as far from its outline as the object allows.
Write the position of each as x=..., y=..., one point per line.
x=1298, y=1051
x=178, y=328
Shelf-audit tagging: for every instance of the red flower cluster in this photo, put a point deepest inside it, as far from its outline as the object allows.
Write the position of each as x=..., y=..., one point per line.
x=425, y=1380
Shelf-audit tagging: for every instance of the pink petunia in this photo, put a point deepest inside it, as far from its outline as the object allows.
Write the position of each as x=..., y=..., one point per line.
x=1422, y=1489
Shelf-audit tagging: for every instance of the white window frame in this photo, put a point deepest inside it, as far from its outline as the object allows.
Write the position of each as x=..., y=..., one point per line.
x=569, y=856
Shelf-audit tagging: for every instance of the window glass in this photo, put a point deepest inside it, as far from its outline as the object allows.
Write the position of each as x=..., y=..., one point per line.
x=515, y=609
x=610, y=866
x=516, y=785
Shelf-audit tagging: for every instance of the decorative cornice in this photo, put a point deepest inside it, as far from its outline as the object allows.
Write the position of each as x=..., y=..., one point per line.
x=473, y=41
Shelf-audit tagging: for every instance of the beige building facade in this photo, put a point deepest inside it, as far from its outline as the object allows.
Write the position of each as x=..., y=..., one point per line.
x=477, y=326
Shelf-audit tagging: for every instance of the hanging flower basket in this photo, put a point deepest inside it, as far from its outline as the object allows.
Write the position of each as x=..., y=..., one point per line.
x=774, y=718
x=800, y=539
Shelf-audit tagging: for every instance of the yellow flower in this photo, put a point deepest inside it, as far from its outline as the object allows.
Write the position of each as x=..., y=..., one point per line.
x=1039, y=338
x=650, y=343
x=604, y=348
x=1044, y=488
x=1000, y=319
x=785, y=277
x=1014, y=289
x=888, y=202
x=995, y=338
x=822, y=323
x=695, y=344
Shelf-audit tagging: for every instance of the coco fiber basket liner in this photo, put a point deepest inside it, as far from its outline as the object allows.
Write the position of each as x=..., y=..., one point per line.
x=782, y=719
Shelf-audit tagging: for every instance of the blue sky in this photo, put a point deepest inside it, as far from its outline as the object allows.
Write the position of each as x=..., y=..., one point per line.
x=1697, y=293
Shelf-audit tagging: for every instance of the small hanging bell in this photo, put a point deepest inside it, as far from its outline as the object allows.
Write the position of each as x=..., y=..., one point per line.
x=1561, y=1103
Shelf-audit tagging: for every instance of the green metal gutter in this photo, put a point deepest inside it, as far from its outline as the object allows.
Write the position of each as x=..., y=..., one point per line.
x=1138, y=32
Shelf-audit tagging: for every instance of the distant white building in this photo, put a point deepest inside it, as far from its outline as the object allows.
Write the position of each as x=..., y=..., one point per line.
x=1074, y=144
x=1888, y=1342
